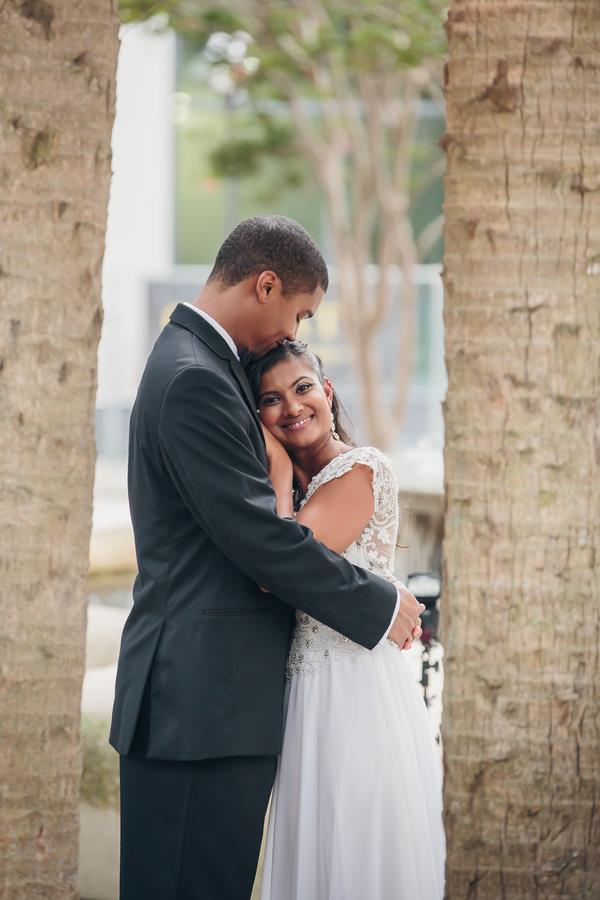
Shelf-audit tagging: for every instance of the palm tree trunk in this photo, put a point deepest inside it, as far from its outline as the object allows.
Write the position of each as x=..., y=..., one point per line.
x=522, y=612
x=57, y=77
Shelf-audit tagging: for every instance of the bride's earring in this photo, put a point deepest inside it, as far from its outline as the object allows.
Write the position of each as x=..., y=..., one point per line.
x=334, y=433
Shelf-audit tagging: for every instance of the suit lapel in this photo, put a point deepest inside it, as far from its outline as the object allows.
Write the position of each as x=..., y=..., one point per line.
x=183, y=315
x=240, y=376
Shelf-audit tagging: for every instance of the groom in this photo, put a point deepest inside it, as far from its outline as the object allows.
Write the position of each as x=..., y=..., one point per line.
x=197, y=718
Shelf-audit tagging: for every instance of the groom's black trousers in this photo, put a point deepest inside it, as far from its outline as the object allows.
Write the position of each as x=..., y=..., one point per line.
x=191, y=830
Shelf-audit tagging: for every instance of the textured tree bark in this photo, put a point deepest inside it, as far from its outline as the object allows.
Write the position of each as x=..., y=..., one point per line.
x=522, y=318
x=57, y=80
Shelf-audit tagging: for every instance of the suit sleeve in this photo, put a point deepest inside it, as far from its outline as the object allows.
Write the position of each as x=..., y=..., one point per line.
x=213, y=464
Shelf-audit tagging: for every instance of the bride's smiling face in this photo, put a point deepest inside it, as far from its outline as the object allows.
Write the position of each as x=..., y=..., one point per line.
x=294, y=405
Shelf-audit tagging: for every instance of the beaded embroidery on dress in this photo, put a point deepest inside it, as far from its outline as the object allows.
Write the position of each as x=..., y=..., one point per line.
x=314, y=645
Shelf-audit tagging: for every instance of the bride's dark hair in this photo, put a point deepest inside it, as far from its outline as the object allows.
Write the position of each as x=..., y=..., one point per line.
x=256, y=367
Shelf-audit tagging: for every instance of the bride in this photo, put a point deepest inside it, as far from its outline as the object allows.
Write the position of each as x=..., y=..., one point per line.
x=356, y=811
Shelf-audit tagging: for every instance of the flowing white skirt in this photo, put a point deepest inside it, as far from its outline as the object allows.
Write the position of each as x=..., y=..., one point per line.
x=356, y=812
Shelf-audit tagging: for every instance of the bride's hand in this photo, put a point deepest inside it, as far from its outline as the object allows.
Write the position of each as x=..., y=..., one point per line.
x=280, y=464
x=407, y=624
x=281, y=473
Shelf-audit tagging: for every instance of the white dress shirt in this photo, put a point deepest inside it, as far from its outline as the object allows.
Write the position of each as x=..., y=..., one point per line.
x=218, y=328
x=398, y=598
x=230, y=342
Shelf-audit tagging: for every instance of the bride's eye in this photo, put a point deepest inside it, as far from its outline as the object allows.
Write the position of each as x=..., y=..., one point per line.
x=304, y=387
x=269, y=400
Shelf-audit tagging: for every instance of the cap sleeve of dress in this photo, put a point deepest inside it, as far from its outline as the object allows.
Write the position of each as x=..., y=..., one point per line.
x=384, y=479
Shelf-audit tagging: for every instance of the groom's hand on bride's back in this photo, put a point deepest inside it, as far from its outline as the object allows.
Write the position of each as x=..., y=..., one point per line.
x=407, y=624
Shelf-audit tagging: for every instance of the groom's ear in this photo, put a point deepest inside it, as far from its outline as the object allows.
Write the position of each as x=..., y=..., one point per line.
x=268, y=285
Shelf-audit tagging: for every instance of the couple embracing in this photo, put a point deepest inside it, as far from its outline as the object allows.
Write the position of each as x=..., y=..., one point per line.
x=263, y=653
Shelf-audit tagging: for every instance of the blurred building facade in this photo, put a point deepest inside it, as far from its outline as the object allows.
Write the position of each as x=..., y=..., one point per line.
x=165, y=206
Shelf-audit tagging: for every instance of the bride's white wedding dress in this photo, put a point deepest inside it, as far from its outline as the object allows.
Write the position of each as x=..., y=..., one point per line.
x=356, y=811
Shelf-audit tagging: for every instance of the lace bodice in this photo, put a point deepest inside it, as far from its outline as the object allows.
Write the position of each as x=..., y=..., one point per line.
x=314, y=645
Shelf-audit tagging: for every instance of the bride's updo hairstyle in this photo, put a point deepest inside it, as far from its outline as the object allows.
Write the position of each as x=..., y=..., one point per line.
x=257, y=367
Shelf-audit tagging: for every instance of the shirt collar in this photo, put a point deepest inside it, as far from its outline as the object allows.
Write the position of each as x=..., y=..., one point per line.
x=218, y=328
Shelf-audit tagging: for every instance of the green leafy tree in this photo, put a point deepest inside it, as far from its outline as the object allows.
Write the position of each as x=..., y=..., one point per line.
x=351, y=76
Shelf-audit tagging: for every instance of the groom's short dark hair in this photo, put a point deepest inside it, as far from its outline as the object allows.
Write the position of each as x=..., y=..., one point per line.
x=271, y=242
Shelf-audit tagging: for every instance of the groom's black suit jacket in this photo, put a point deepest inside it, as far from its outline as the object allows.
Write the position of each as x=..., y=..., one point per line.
x=204, y=644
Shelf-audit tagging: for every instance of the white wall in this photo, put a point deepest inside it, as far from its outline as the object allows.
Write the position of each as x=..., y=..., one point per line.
x=140, y=233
